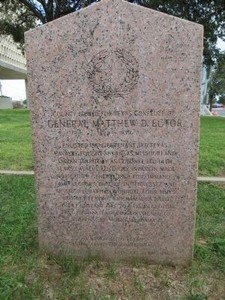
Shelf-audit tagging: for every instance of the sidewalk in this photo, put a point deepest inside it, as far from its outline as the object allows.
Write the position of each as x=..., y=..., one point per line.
x=199, y=179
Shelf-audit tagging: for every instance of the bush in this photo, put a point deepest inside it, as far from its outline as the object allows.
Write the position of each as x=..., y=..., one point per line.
x=17, y=104
x=2, y=96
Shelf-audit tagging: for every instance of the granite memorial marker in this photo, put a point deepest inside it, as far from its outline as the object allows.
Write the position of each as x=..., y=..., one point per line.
x=115, y=97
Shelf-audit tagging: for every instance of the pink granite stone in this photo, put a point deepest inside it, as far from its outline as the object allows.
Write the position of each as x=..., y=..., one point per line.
x=114, y=92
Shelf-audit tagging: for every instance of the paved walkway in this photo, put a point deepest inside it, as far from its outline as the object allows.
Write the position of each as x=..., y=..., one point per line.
x=219, y=111
x=8, y=172
x=200, y=179
x=211, y=179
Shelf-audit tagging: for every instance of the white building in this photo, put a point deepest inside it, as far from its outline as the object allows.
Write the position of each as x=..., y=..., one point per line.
x=12, y=61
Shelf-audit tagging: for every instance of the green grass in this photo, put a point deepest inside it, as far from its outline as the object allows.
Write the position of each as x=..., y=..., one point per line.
x=212, y=147
x=210, y=230
x=26, y=273
x=16, y=149
x=15, y=140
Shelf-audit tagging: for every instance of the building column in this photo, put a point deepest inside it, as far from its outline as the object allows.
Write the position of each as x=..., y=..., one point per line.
x=28, y=103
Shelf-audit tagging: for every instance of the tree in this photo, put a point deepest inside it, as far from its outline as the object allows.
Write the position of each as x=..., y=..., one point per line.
x=217, y=82
x=16, y=19
x=211, y=14
x=222, y=99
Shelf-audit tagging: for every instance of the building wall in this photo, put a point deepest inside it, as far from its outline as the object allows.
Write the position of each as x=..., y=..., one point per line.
x=10, y=53
x=204, y=87
x=5, y=103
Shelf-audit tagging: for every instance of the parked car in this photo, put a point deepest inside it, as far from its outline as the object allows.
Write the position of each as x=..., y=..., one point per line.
x=217, y=105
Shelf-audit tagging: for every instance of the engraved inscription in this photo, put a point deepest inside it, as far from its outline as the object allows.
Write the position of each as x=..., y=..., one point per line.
x=109, y=123
x=117, y=181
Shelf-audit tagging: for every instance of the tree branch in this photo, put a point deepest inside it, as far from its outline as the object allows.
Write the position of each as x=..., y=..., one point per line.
x=35, y=11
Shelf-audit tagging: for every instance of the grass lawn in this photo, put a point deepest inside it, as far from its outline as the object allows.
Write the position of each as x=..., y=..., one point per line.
x=26, y=273
x=212, y=147
x=15, y=140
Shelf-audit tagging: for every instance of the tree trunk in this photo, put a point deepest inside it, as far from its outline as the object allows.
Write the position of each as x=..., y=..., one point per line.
x=210, y=104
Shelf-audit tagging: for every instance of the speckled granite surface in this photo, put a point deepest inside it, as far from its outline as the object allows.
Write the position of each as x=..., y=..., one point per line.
x=114, y=92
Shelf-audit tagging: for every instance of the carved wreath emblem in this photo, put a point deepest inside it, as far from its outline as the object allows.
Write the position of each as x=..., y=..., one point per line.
x=113, y=72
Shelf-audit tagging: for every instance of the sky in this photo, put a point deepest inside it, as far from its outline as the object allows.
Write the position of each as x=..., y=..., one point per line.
x=14, y=89
x=17, y=91
x=221, y=44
